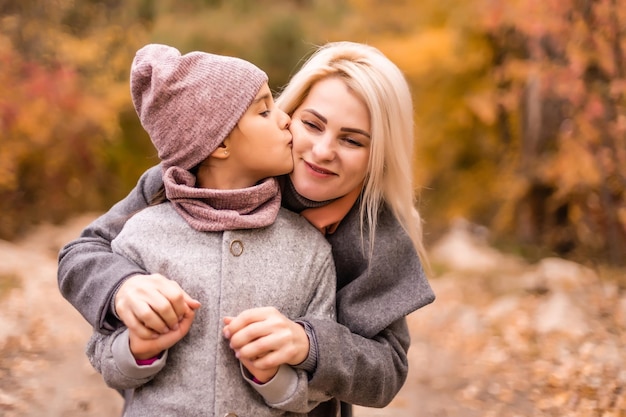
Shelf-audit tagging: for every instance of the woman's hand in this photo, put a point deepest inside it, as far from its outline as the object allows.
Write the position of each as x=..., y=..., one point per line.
x=152, y=305
x=265, y=339
x=149, y=348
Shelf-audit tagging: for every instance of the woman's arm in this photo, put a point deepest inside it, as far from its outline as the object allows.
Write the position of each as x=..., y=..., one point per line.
x=89, y=273
x=360, y=370
x=362, y=359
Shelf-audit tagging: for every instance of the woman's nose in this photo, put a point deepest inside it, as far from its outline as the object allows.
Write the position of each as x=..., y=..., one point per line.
x=324, y=148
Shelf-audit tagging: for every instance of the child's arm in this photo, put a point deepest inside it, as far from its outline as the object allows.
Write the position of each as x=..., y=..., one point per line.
x=150, y=305
x=127, y=361
x=110, y=355
x=264, y=339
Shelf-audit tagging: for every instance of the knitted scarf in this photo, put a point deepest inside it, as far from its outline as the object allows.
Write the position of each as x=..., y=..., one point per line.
x=327, y=218
x=209, y=210
x=324, y=215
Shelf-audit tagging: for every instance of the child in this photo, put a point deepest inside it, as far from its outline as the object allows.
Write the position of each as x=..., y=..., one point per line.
x=221, y=235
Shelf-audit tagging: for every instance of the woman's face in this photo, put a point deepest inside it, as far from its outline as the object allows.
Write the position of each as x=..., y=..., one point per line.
x=331, y=141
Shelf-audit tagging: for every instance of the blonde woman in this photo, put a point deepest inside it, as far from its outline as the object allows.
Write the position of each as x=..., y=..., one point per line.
x=352, y=130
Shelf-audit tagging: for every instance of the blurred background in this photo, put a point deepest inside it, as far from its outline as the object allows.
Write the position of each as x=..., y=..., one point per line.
x=519, y=105
x=520, y=115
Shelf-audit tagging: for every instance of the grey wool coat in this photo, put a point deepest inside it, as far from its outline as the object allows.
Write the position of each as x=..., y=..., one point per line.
x=362, y=358
x=288, y=265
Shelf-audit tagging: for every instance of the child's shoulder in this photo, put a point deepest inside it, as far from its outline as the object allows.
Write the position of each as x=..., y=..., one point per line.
x=289, y=219
x=159, y=215
x=295, y=226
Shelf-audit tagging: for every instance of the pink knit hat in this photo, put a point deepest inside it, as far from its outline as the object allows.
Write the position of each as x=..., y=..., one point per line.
x=189, y=103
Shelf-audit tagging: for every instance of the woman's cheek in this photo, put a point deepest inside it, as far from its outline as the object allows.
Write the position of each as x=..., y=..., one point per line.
x=298, y=138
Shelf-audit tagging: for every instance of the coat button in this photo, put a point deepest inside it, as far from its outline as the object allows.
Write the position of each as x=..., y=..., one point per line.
x=236, y=247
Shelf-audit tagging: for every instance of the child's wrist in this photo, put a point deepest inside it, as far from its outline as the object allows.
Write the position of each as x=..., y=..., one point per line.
x=149, y=360
x=257, y=381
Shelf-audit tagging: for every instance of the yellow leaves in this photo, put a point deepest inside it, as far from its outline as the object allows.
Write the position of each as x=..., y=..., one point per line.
x=423, y=52
x=573, y=167
x=484, y=106
x=78, y=52
x=34, y=122
x=62, y=90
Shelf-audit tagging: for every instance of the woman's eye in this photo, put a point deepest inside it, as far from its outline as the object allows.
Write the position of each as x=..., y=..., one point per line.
x=310, y=125
x=353, y=142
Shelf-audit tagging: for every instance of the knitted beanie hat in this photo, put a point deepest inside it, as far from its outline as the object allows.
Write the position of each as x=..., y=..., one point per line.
x=189, y=103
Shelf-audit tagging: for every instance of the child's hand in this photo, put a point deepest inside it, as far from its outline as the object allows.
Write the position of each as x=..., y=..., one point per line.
x=150, y=305
x=149, y=348
x=266, y=339
x=261, y=375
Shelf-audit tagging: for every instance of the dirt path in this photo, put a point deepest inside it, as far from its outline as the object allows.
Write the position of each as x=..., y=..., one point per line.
x=43, y=370
x=504, y=338
x=508, y=339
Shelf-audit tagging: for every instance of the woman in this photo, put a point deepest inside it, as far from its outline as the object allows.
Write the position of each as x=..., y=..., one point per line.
x=376, y=242
x=217, y=230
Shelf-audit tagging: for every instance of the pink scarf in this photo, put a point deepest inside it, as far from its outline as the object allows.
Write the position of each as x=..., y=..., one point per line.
x=209, y=210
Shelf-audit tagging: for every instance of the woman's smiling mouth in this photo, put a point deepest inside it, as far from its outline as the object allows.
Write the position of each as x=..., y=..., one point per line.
x=318, y=169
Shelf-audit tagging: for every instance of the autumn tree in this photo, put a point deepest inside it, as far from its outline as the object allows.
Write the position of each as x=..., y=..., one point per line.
x=63, y=87
x=566, y=67
x=520, y=118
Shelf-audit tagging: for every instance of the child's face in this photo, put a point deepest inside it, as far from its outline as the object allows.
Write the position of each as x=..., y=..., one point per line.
x=261, y=141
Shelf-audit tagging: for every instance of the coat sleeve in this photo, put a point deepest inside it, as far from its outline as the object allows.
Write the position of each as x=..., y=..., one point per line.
x=89, y=273
x=110, y=355
x=360, y=370
x=303, y=398
x=362, y=359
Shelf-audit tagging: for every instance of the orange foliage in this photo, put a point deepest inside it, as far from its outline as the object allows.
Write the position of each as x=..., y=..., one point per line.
x=520, y=105
x=572, y=139
x=520, y=114
x=49, y=141
x=59, y=112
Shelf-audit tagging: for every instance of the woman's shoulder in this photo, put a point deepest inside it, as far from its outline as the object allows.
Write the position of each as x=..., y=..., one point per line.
x=387, y=226
x=388, y=223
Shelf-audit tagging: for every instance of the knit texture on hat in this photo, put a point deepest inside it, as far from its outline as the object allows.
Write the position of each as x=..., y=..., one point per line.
x=209, y=210
x=189, y=103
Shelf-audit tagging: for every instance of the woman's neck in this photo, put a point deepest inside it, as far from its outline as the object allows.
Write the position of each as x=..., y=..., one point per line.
x=294, y=201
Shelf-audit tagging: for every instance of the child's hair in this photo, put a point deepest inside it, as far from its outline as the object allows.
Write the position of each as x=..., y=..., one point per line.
x=386, y=93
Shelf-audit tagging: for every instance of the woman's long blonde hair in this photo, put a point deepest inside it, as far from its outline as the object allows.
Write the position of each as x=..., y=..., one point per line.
x=383, y=88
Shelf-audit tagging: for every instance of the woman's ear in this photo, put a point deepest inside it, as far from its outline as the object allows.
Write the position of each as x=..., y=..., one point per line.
x=222, y=151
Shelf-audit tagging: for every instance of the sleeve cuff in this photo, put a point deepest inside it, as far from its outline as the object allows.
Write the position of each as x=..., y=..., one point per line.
x=310, y=363
x=111, y=320
x=278, y=389
x=126, y=362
